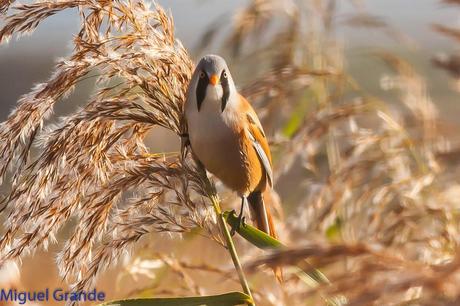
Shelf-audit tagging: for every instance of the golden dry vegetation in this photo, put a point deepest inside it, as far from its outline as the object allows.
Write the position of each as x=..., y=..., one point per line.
x=366, y=186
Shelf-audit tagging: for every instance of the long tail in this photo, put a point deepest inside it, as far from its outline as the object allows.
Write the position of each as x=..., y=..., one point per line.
x=260, y=214
x=261, y=217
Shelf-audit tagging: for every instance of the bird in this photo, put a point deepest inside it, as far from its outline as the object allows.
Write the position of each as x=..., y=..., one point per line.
x=227, y=138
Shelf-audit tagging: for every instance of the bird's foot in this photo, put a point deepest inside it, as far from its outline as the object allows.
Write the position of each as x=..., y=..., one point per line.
x=241, y=221
x=185, y=139
x=184, y=144
x=184, y=135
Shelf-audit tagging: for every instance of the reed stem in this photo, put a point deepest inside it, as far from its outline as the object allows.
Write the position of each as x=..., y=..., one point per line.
x=229, y=242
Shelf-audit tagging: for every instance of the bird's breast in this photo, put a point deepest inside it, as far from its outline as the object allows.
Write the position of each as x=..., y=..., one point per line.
x=218, y=141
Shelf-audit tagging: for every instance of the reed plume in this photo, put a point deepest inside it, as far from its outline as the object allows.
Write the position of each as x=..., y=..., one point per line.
x=368, y=180
x=93, y=165
x=373, y=199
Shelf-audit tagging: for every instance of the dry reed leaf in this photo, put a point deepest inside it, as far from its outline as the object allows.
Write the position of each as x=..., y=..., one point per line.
x=453, y=2
x=450, y=63
x=382, y=273
x=447, y=31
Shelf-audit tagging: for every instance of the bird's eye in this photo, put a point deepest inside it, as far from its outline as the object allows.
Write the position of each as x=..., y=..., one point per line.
x=202, y=74
x=224, y=75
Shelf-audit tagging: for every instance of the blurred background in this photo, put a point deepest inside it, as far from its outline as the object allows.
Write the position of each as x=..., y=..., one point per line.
x=357, y=32
x=403, y=27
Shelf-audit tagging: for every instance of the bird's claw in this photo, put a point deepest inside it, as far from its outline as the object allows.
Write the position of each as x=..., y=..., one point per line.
x=241, y=221
x=234, y=227
x=185, y=139
x=184, y=143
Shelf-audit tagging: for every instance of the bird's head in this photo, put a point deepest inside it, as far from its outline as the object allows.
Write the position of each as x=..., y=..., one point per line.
x=212, y=83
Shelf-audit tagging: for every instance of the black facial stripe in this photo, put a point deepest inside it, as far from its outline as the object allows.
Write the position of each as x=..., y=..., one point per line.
x=225, y=88
x=201, y=89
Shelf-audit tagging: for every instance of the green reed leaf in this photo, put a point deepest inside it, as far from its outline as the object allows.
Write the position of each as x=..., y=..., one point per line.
x=260, y=239
x=263, y=241
x=252, y=234
x=227, y=299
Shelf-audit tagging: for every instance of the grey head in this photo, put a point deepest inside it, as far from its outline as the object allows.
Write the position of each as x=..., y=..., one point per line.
x=212, y=80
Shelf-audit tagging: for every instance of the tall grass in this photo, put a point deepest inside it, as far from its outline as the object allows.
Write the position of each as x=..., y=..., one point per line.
x=367, y=184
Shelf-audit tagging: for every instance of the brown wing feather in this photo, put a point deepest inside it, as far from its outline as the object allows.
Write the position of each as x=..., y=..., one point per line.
x=260, y=213
x=257, y=133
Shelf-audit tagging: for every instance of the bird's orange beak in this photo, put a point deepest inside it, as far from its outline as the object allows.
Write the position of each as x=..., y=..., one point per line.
x=214, y=79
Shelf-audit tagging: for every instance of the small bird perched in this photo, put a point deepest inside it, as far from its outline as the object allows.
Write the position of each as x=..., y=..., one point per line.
x=227, y=138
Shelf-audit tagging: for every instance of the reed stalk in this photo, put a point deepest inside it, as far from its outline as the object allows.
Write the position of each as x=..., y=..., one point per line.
x=228, y=238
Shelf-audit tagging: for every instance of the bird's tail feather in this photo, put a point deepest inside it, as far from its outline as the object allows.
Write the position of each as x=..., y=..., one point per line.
x=262, y=218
